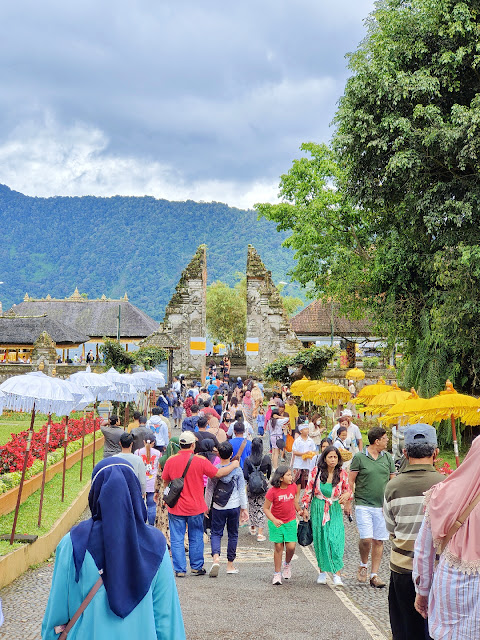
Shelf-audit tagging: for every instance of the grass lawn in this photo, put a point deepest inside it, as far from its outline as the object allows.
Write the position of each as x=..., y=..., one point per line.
x=52, y=507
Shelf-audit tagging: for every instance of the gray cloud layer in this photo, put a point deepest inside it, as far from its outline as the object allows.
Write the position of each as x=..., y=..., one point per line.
x=177, y=99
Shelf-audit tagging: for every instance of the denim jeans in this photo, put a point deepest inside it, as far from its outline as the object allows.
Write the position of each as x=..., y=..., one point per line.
x=220, y=518
x=151, y=508
x=177, y=526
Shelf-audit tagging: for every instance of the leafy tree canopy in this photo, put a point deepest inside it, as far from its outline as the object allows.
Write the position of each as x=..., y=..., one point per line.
x=116, y=356
x=387, y=219
x=310, y=362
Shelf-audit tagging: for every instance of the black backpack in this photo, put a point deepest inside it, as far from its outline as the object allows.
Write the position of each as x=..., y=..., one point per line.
x=257, y=483
x=223, y=491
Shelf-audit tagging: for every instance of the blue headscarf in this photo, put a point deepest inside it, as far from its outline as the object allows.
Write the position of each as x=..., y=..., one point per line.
x=117, y=531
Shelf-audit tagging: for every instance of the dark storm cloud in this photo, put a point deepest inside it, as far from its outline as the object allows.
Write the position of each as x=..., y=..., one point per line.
x=213, y=91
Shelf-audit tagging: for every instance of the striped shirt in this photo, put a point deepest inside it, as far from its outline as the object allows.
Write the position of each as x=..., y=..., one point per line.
x=403, y=511
x=453, y=596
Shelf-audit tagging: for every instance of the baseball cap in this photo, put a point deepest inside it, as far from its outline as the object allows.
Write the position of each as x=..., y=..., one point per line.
x=187, y=437
x=421, y=434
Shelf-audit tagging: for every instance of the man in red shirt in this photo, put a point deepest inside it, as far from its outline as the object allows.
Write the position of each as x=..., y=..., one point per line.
x=191, y=505
x=207, y=408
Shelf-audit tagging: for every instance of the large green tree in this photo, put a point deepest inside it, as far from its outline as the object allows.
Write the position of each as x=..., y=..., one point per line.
x=391, y=213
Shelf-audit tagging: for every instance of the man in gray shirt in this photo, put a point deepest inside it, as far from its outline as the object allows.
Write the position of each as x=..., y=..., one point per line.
x=140, y=434
x=126, y=440
x=112, y=433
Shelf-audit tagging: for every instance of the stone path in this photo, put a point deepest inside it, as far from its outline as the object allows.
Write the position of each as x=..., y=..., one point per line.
x=261, y=611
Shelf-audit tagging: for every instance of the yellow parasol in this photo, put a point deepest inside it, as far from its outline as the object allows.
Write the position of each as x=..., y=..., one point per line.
x=370, y=391
x=221, y=346
x=332, y=394
x=355, y=374
x=299, y=385
x=386, y=400
x=310, y=392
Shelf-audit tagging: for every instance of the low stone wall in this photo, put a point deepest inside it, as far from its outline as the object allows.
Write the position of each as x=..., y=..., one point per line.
x=17, y=562
x=371, y=377
x=63, y=370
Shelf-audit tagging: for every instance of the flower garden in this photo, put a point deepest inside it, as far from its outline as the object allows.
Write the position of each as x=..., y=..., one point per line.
x=13, y=452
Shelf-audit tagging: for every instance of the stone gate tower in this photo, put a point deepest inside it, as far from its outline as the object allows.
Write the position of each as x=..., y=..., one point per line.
x=185, y=316
x=269, y=334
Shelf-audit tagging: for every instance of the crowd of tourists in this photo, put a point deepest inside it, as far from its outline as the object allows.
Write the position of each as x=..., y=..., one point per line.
x=239, y=457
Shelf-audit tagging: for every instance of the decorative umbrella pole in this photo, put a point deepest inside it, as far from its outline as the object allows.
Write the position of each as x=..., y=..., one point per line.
x=24, y=470
x=455, y=443
x=83, y=445
x=65, y=442
x=44, y=475
x=126, y=414
x=94, y=425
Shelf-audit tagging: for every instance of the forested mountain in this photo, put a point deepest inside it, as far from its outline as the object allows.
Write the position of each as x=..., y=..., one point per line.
x=124, y=244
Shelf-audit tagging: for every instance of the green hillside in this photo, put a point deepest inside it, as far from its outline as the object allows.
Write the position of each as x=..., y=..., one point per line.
x=118, y=244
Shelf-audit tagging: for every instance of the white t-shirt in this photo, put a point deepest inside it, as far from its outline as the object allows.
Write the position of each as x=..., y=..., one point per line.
x=353, y=434
x=302, y=446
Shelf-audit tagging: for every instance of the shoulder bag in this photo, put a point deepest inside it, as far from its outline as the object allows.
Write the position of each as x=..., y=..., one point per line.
x=172, y=493
x=458, y=523
x=64, y=629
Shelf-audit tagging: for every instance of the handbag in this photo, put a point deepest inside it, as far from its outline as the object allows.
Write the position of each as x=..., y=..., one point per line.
x=172, y=492
x=305, y=529
x=64, y=629
x=305, y=533
x=289, y=443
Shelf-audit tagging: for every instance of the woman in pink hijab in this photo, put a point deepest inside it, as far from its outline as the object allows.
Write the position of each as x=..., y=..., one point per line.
x=247, y=406
x=450, y=593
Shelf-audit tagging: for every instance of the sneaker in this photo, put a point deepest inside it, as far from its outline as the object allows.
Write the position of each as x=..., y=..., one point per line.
x=261, y=538
x=277, y=578
x=322, y=578
x=362, y=574
x=286, y=571
x=337, y=581
x=377, y=583
x=214, y=569
x=180, y=574
x=198, y=572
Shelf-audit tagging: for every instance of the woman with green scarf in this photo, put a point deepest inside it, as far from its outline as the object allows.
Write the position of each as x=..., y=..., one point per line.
x=161, y=518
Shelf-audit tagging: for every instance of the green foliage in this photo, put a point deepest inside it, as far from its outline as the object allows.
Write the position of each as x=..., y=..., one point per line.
x=371, y=363
x=145, y=245
x=116, y=356
x=386, y=222
x=310, y=362
x=149, y=357
x=227, y=313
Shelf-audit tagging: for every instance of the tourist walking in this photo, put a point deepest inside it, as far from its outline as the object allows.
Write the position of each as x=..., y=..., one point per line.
x=327, y=491
x=140, y=433
x=160, y=428
x=228, y=502
x=281, y=507
x=191, y=506
x=247, y=407
x=303, y=450
x=126, y=441
x=137, y=589
x=315, y=428
x=161, y=515
x=275, y=427
x=112, y=433
x=403, y=511
x=257, y=470
x=449, y=592
x=240, y=443
x=370, y=471
x=151, y=457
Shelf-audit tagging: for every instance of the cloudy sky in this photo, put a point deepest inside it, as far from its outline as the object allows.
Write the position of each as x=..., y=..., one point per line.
x=172, y=98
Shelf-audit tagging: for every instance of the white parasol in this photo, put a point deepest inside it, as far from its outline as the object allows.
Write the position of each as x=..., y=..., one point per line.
x=94, y=382
x=47, y=395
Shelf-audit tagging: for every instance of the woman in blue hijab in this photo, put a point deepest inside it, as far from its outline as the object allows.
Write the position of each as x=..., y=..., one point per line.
x=138, y=597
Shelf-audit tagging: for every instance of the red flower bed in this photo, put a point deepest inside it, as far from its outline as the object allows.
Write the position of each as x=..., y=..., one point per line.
x=13, y=453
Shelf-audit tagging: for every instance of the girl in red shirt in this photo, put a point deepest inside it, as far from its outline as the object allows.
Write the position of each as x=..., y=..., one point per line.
x=281, y=506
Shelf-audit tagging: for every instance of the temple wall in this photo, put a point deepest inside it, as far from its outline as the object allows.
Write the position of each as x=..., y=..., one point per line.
x=185, y=316
x=269, y=334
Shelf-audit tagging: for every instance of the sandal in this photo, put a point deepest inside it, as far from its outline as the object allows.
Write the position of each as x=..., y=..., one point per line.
x=261, y=538
x=253, y=531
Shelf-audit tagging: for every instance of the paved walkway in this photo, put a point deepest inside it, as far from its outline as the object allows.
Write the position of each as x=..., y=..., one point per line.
x=299, y=609
x=296, y=609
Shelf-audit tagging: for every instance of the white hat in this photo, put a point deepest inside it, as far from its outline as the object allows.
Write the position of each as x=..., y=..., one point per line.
x=304, y=425
x=346, y=413
x=187, y=437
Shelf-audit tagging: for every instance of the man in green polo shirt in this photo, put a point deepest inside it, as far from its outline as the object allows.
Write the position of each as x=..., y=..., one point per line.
x=370, y=471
